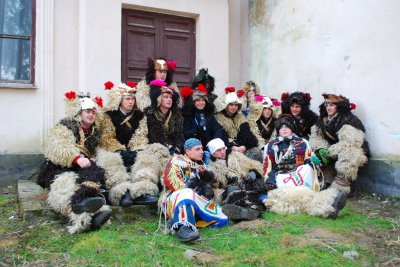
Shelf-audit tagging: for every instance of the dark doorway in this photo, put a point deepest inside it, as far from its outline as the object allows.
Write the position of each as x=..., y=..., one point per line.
x=148, y=34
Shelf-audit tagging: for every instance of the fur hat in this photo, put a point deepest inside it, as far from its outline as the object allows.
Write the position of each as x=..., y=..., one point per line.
x=159, y=63
x=81, y=101
x=116, y=94
x=285, y=119
x=271, y=103
x=343, y=104
x=205, y=79
x=251, y=85
x=303, y=99
x=157, y=88
x=232, y=97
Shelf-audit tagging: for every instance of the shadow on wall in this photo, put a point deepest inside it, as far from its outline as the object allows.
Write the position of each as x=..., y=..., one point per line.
x=14, y=167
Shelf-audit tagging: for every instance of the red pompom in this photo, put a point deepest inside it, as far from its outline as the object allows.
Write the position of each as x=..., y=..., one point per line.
x=307, y=96
x=186, y=91
x=99, y=101
x=131, y=84
x=240, y=93
x=171, y=65
x=70, y=95
x=230, y=89
x=353, y=106
x=108, y=85
x=202, y=88
x=259, y=98
x=284, y=96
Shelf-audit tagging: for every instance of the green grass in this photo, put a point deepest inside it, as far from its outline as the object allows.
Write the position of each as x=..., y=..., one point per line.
x=283, y=240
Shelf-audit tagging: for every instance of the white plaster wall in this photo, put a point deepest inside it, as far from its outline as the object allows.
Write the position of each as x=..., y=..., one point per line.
x=345, y=47
x=84, y=51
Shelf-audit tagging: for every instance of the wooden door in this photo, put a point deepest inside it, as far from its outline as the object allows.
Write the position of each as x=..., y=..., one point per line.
x=148, y=34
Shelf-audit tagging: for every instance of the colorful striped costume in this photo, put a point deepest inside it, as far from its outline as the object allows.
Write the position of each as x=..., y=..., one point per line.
x=181, y=203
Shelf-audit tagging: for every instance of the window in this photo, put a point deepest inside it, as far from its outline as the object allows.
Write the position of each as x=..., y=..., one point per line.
x=17, y=19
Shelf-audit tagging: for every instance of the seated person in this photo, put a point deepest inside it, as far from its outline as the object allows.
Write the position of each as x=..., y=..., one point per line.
x=181, y=204
x=236, y=127
x=238, y=182
x=297, y=104
x=120, y=121
x=291, y=179
x=338, y=139
x=266, y=121
x=198, y=115
x=70, y=171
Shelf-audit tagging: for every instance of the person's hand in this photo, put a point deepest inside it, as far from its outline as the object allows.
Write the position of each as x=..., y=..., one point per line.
x=315, y=160
x=235, y=148
x=242, y=149
x=84, y=163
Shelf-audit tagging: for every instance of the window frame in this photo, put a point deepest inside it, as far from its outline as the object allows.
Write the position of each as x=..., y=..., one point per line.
x=25, y=84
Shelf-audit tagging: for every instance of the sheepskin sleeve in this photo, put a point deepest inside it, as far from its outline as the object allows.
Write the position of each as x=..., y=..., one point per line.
x=140, y=140
x=108, y=137
x=317, y=140
x=350, y=139
x=61, y=147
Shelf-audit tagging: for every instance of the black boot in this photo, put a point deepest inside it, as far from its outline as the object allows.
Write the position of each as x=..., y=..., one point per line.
x=89, y=204
x=338, y=204
x=145, y=200
x=99, y=219
x=235, y=212
x=126, y=199
x=187, y=234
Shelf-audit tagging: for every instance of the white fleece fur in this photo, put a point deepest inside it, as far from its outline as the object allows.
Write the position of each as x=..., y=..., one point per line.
x=61, y=191
x=112, y=163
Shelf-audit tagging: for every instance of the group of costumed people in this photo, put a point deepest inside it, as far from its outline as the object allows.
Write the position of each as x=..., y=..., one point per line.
x=201, y=158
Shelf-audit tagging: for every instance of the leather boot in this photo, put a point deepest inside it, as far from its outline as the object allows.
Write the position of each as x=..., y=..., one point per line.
x=89, y=204
x=338, y=204
x=186, y=234
x=145, y=200
x=99, y=219
x=126, y=199
x=235, y=212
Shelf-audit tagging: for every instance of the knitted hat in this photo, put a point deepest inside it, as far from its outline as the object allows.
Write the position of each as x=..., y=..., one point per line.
x=81, y=101
x=215, y=144
x=116, y=94
x=285, y=119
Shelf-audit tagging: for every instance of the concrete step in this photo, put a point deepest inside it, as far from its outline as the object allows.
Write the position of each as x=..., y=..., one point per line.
x=32, y=206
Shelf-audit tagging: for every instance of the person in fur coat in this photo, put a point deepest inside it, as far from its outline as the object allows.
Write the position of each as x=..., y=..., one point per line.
x=120, y=121
x=198, y=115
x=236, y=127
x=181, y=201
x=158, y=69
x=239, y=182
x=266, y=121
x=298, y=105
x=290, y=178
x=159, y=134
x=70, y=171
x=338, y=138
x=251, y=90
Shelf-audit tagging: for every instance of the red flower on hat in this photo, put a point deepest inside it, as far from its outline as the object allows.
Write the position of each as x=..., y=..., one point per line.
x=171, y=64
x=186, y=91
x=70, y=95
x=285, y=96
x=276, y=102
x=353, y=106
x=307, y=96
x=240, y=93
x=229, y=89
x=99, y=101
x=202, y=88
x=108, y=85
x=157, y=83
x=259, y=98
x=131, y=84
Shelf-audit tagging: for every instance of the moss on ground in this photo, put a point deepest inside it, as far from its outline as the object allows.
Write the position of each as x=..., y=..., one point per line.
x=273, y=240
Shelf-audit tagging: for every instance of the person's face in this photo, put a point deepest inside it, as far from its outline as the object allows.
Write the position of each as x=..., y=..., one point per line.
x=166, y=100
x=161, y=75
x=295, y=109
x=267, y=112
x=251, y=92
x=232, y=108
x=220, y=153
x=127, y=103
x=331, y=108
x=88, y=117
x=195, y=153
x=200, y=103
x=285, y=131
